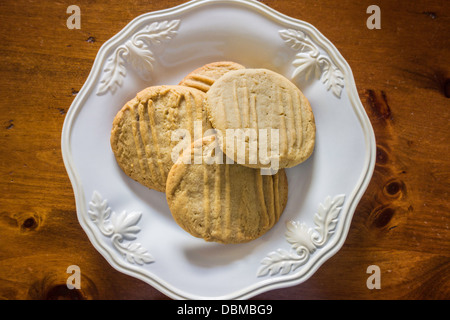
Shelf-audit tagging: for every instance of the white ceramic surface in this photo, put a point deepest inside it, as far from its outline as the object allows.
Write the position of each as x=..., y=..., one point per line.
x=131, y=226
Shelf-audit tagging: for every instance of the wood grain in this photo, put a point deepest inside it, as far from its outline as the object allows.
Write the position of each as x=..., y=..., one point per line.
x=402, y=73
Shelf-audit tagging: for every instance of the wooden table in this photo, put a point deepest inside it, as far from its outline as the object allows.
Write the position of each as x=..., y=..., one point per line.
x=402, y=223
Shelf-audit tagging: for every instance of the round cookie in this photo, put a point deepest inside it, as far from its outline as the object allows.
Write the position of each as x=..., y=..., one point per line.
x=252, y=103
x=141, y=136
x=203, y=77
x=225, y=203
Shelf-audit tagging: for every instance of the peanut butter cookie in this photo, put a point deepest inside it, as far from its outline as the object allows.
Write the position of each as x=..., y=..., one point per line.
x=141, y=136
x=225, y=203
x=261, y=118
x=203, y=77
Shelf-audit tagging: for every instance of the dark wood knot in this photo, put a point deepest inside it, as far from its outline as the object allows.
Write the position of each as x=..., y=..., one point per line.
x=381, y=216
x=10, y=125
x=431, y=14
x=446, y=88
x=394, y=188
x=29, y=223
x=62, y=292
x=381, y=155
x=53, y=286
x=379, y=105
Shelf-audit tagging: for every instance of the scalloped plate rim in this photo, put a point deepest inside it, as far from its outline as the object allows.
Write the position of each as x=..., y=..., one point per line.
x=352, y=199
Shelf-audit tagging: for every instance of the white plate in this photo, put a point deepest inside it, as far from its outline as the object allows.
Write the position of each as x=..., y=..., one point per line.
x=132, y=227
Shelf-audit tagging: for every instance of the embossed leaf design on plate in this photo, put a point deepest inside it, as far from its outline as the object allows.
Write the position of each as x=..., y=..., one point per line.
x=137, y=53
x=304, y=240
x=119, y=227
x=310, y=63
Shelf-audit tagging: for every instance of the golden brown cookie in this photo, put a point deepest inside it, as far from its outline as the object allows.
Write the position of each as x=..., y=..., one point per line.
x=203, y=77
x=225, y=203
x=250, y=100
x=142, y=134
